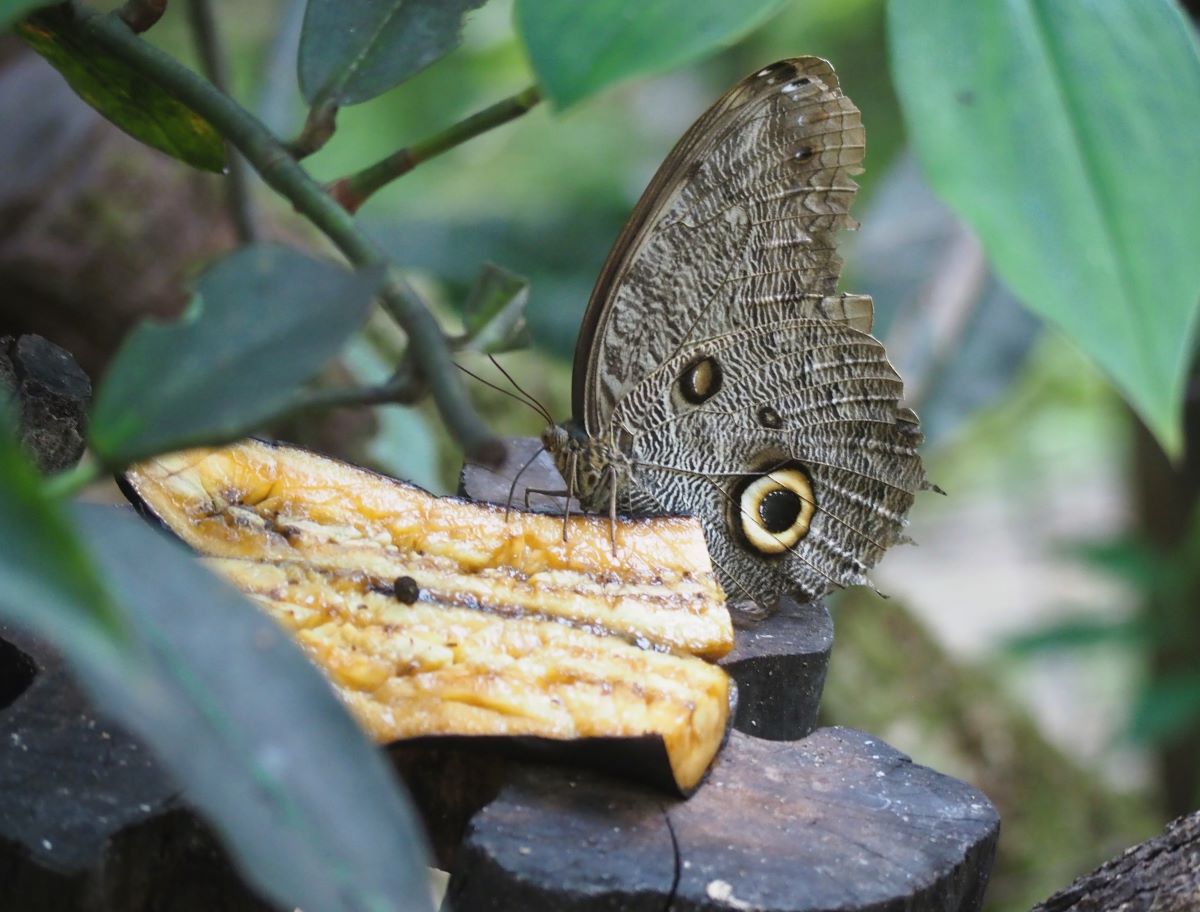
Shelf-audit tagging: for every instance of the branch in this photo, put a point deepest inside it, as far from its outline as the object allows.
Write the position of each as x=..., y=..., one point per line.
x=318, y=129
x=212, y=56
x=352, y=191
x=283, y=174
x=404, y=387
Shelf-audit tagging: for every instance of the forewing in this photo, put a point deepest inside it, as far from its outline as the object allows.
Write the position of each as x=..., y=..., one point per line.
x=742, y=215
x=817, y=393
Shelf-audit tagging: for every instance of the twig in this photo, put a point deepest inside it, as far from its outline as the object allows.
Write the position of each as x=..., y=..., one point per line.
x=352, y=191
x=139, y=15
x=212, y=56
x=318, y=129
x=285, y=175
x=404, y=387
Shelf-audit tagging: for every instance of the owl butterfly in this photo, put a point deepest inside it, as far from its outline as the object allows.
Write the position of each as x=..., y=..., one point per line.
x=718, y=371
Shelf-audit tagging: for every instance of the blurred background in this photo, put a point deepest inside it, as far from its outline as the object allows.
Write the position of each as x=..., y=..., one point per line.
x=1042, y=640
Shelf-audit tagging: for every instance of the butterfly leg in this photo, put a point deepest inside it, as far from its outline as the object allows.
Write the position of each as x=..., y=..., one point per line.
x=512, y=488
x=544, y=492
x=572, y=464
x=612, y=507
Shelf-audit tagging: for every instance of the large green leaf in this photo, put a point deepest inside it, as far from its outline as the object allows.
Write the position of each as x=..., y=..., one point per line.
x=1066, y=135
x=264, y=320
x=138, y=106
x=352, y=50
x=253, y=732
x=240, y=719
x=12, y=10
x=578, y=49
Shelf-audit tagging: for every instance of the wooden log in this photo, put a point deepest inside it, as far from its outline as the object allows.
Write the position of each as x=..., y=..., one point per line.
x=838, y=820
x=779, y=666
x=52, y=394
x=1161, y=874
x=779, y=663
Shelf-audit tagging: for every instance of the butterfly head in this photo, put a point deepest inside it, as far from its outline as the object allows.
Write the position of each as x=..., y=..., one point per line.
x=588, y=466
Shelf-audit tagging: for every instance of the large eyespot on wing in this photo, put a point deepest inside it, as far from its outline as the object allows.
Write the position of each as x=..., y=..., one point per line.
x=772, y=511
x=741, y=216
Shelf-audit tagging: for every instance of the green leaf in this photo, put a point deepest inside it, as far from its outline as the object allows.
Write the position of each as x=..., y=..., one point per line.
x=252, y=731
x=264, y=320
x=47, y=581
x=1166, y=707
x=353, y=50
x=1080, y=632
x=1127, y=558
x=135, y=104
x=12, y=10
x=1066, y=135
x=578, y=49
x=494, y=311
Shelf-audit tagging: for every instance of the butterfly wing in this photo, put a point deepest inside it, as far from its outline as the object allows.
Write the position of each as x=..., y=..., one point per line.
x=810, y=407
x=718, y=357
x=742, y=215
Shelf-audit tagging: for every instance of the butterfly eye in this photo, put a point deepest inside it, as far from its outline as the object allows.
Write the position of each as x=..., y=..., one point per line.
x=700, y=380
x=774, y=510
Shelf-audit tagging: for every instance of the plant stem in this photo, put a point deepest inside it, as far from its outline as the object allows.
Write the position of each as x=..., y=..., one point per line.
x=70, y=482
x=212, y=56
x=283, y=174
x=352, y=191
x=404, y=387
x=319, y=127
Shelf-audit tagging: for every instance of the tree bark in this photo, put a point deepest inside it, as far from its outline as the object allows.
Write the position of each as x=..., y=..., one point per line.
x=1161, y=874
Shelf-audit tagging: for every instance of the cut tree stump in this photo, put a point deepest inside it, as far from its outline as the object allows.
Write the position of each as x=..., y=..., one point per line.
x=838, y=820
x=1159, y=875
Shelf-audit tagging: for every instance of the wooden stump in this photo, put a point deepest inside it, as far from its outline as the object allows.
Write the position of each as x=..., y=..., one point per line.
x=1159, y=875
x=779, y=666
x=838, y=820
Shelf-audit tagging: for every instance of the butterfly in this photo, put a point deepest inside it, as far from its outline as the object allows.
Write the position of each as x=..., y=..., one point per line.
x=719, y=372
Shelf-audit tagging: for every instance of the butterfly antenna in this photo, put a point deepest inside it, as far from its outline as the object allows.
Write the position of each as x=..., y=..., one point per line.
x=511, y=395
x=512, y=488
x=541, y=408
